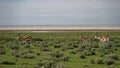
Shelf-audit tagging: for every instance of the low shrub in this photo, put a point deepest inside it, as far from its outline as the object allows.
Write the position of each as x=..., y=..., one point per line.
x=105, y=51
x=82, y=47
x=73, y=52
x=1, y=46
x=24, y=54
x=37, y=39
x=45, y=49
x=101, y=55
x=50, y=64
x=14, y=47
x=63, y=48
x=2, y=51
x=113, y=56
x=82, y=56
x=95, y=46
x=36, y=66
x=99, y=61
x=92, y=61
x=60, y=65
x=57, y=54
x=117, y=45
x=65, y=58
x=70, y=47
x=37, y=53
x=88, y=48
x=46, y=63
x=7, y=62
x=57, y=46
x=108, y=51
x=28, y=56
x=75, y=45
x=88, y=53
x=26, y=51
x=107, y=46
x=18, y=55
x=27, y=46
x=110, y=62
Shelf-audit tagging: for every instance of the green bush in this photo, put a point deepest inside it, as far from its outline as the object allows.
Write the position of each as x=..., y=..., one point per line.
x=28, y=56
x=57, y=46
x=2, y=51
x=63, y=48
x=70, y=47
x=92, y=61
x=26, y=51
x=1, y=46
x=45, y=49
x=57, y=54
x=75, y=45
x=60, y=65
x=18, y=55
x=37, y=39
x=105, y=51
x=95, y=46
x=99, y=61
x=101, y=55
x=7, y=62
x=27, y=46
x=65, y=58
x=50, y=64
x=88, y=53
x=14, y=47
x=88, y=48
x=82, y=47
x=36, y=66
x=110, y=62
x=113, y=56
x=23, y=54
x=82, y=56
x=37, y=53
x=46, y=63
x=73, y=52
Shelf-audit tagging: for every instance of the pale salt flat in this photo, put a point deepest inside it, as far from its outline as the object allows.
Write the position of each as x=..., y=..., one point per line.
x=50, y=28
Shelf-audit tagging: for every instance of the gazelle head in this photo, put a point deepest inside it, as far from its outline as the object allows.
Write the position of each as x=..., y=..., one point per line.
x=96, y=36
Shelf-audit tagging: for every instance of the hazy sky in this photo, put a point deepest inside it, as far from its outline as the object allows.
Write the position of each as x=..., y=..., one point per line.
x=59, y=12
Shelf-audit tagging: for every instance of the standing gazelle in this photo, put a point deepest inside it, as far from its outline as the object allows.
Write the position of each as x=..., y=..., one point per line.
x=24, y=39
x=103, y=38
x=86, y=39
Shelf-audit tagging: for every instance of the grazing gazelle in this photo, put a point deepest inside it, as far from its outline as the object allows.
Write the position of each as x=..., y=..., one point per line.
x=24, y=39
x=103, y=38
x=86, y=38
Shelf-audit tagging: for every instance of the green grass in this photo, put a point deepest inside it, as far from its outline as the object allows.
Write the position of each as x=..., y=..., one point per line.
x=67, y=41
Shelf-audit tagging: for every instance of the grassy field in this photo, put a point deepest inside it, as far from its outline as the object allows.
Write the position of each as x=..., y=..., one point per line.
x=58, y=50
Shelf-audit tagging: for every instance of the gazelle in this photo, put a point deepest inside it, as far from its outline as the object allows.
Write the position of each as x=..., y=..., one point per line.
x=103, y=38
x=86, y=38
x=24, y=39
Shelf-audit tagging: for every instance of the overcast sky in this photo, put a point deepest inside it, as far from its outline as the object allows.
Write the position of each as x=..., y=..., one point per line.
x=59, y=12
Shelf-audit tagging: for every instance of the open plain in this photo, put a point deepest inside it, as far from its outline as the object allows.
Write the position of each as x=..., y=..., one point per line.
x=58, y=47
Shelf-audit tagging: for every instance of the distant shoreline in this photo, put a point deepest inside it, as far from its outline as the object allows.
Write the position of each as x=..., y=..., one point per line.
x=91, y=25
x=62, y=28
